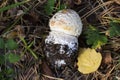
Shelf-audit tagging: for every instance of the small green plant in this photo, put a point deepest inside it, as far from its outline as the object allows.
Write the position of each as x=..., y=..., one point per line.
x=50, y=6
x=95, y=38
x=7, y=57
x=114, y=29
x=7, y=73
x=12, y=6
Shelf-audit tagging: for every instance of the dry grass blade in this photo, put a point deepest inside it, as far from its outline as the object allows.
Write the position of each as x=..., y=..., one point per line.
x=108, y=74
x=95, y=9
x=50, y=77
x=117, y=1
x=4, y=3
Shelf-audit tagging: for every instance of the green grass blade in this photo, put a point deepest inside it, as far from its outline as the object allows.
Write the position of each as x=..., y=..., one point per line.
x=27, y=47
x=12, y=6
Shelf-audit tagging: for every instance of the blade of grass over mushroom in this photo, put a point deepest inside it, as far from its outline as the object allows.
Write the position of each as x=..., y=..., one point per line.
x=95, y=38
x=27, y=47
x=49, y=7
x=60, y=6
x=12, y=5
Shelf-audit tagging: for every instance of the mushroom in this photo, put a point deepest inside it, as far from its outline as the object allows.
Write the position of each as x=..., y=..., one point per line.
x=61, y=45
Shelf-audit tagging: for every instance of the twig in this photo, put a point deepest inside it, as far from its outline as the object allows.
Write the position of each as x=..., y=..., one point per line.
x=50, y=77
x=95, y=9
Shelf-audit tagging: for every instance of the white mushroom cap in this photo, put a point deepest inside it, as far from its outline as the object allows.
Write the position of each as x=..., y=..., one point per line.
x=66, y=21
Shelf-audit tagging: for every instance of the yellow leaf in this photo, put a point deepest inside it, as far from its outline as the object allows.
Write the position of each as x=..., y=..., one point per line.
x=88, y=60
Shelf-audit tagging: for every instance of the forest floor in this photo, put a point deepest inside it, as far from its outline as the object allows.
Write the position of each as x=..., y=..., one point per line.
x=27, y=23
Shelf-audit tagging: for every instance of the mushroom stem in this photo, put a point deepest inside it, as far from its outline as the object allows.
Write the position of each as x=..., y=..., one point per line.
x=58, y=46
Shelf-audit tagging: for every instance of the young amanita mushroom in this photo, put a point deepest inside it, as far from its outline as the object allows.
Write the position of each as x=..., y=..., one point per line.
x=61, y=45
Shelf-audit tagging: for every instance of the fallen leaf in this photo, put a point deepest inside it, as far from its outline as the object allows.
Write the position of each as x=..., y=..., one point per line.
x=88, y=60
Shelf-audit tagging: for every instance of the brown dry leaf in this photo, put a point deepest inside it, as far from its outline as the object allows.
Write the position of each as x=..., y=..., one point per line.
x=107, y=57
x=88, y=60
